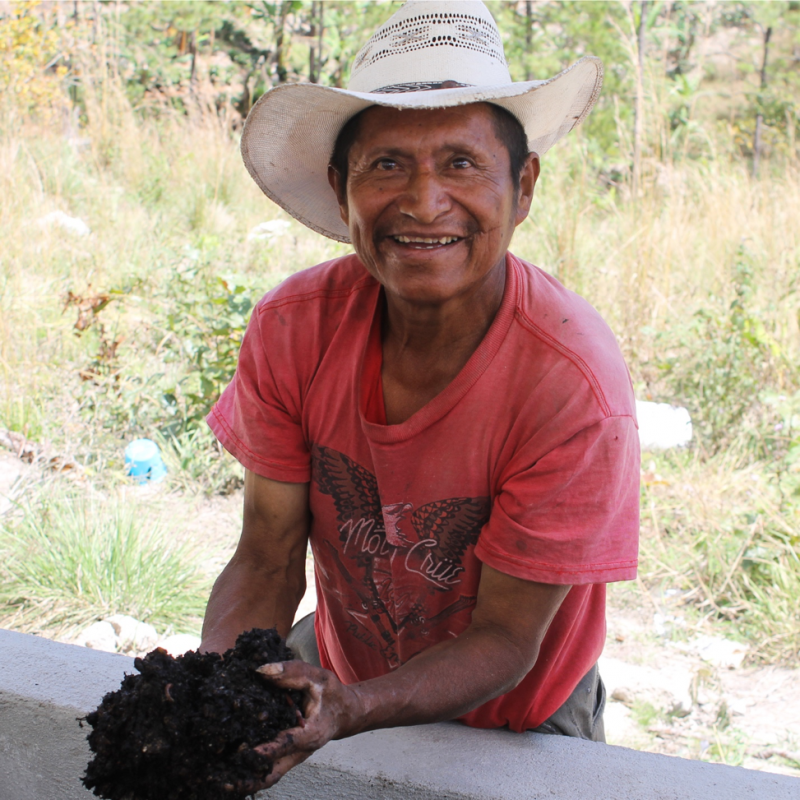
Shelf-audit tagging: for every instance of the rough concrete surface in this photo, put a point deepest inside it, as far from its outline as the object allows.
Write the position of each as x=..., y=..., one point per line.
x=46, y=686
x=451, y=762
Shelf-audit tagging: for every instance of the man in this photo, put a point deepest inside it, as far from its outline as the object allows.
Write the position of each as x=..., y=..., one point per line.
x=450, y=428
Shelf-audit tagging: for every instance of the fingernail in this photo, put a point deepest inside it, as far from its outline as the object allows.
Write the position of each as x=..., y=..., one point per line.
x=271, y=669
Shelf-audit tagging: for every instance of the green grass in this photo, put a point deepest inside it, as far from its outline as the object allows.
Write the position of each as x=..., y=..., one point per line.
x=69, y=558
x=644, y=713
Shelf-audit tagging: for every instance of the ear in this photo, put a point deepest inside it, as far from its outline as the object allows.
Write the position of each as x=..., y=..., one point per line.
x=340, y=190
x=527, y=182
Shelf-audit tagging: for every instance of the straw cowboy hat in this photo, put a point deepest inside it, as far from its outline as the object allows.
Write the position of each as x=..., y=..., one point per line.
x=290, y=132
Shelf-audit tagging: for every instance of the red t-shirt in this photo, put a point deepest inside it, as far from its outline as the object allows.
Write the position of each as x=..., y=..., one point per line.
x=528, y=462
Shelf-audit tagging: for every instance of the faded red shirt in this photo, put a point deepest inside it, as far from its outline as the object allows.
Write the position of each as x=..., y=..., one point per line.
x=528, y=461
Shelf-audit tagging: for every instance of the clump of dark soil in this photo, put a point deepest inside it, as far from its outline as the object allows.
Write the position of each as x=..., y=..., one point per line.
x=184, y=728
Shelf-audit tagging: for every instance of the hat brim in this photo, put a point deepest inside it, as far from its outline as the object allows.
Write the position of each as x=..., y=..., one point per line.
x=290, y=132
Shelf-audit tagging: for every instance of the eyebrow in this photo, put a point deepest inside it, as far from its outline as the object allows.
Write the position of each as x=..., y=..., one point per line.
x=457, y=147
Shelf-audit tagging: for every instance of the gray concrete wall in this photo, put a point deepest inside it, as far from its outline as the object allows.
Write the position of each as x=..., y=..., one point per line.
x=45, y=687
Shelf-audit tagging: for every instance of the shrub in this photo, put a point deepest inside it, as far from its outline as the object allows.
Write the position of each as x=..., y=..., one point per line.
x=721, y=365
x=164, y=381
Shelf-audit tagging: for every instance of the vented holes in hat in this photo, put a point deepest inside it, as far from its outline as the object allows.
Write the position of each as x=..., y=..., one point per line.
x=425, y=30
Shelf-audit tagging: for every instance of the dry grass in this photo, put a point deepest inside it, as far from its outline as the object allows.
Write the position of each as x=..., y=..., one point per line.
x=153, y=193
x=720, y=531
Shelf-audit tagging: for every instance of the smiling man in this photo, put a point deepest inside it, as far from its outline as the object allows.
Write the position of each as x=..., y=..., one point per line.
x=451, y=429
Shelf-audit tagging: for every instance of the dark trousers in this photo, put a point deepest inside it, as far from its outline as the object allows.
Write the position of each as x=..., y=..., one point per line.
x=580, y=716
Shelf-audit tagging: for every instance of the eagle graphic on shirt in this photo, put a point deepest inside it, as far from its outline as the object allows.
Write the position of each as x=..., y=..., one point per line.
x=376, y=541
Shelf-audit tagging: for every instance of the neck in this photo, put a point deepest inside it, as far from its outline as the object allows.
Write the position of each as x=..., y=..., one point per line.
x=425, y=347
x=460, y=322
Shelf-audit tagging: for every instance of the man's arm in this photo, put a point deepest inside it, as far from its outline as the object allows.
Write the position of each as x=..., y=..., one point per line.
x=445, y=681
x=264, y=582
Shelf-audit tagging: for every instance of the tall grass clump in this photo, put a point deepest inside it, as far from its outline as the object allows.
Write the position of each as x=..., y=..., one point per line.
x=69, y=559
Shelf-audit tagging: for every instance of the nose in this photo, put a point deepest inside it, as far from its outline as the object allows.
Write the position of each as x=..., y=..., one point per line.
x=425, y=198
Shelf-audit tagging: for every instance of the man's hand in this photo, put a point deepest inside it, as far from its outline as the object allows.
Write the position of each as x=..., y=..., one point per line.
x=443, y=682
x=330, y=708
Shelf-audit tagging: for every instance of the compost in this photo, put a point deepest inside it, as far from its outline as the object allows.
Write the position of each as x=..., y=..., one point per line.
x=184, y=728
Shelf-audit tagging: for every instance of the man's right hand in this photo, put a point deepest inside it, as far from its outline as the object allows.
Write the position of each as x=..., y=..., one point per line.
x=263, y=583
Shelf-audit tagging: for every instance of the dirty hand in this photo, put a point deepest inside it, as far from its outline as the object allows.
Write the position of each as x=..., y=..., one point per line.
x=330, y=711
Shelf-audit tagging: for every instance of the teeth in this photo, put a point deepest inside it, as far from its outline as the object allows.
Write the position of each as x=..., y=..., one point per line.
x=423, y=240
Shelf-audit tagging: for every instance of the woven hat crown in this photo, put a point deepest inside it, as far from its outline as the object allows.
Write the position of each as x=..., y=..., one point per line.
x=426, y=43
x=429, y=55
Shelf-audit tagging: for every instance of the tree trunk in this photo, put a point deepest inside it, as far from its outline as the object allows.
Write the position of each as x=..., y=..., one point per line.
x=280, y=69
x=759, y=116
x=638, y=111
x=312, y=32
x=316, y=29
x=528, y=38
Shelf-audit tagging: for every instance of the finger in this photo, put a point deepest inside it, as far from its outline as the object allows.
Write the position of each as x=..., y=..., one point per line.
x=290, y=674
x=284, y=744
x=283, y=765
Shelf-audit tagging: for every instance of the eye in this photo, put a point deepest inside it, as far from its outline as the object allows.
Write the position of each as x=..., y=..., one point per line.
x=386, y=164
x=461, y=162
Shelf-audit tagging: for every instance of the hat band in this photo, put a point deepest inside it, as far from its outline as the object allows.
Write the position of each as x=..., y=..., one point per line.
x=419, y=86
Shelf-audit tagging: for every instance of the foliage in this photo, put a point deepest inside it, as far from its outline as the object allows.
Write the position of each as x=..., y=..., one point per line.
x=724, y=534
x=719, y=363
x=30, y=63
x=155, y=94
x=194, y=333
x=71, y=559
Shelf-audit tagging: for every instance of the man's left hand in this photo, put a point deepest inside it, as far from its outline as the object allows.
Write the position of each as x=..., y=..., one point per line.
x=329, y=708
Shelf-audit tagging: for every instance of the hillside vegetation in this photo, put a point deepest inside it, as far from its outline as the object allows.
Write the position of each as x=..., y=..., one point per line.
x=673, y=209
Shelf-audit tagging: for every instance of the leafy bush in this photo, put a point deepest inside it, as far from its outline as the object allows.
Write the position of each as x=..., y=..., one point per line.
x=721, y=364
x=164, y=381
x=69, y=560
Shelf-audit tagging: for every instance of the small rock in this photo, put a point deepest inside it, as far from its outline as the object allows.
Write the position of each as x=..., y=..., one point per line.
x=717, y=651
x=99, y=636
x=663, y=426
x=132, y=635
x=179, y=644
x=623, y=695
x=738, y=706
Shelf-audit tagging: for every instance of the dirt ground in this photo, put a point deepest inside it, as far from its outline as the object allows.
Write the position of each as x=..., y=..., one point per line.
x=680, y=691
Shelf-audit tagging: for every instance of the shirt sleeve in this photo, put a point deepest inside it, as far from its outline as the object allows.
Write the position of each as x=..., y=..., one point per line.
x=572, y=517
x=258, y=417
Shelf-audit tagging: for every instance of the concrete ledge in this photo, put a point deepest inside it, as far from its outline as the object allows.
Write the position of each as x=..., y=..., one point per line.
x=45, y=687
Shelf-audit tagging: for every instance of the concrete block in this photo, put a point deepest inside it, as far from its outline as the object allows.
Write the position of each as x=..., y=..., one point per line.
x=449, y=761
x=46, y=686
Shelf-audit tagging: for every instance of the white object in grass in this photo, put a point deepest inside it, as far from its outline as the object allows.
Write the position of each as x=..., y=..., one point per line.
x=65, y=222
x=662, y=426
x=268, y=230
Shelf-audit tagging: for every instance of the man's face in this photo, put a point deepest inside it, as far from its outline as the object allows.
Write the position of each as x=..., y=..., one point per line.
x=430, y=201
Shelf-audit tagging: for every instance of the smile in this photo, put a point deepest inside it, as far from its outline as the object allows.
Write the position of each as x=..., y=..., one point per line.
x=425, y=242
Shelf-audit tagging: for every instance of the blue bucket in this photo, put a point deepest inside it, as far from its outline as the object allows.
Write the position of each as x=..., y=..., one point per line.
x=144, y=462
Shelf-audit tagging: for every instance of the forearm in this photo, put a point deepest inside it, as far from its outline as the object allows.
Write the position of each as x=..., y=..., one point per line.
x=491, y=657
x=441, y=683
x=247, y=596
